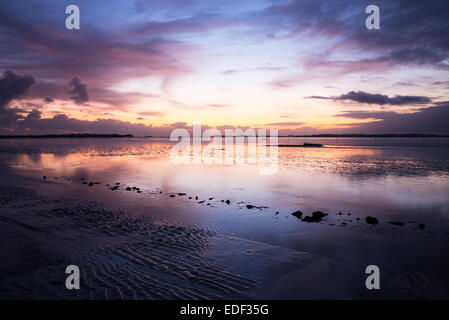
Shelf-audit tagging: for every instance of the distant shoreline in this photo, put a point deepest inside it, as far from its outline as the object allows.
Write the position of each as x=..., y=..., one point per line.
x=78, y=135
x=387, y=135
x=93, y=135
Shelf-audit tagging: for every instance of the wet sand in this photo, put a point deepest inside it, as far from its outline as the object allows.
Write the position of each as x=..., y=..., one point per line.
x=124, y=255
x=140, y=227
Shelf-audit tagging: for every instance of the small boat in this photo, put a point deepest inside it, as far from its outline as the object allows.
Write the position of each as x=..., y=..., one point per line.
x=305, y=145
x=316, y=145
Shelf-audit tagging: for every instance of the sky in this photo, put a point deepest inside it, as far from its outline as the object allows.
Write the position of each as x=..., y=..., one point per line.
x=146, y=67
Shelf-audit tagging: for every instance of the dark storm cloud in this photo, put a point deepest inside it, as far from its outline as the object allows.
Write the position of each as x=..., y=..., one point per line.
x=434, y=119
x=78, y=90
x=13, y=86
x=34, y=115
x=8, y=117
x=380, y=99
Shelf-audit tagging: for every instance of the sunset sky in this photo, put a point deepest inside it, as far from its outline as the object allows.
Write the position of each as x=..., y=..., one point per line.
x=146, y=67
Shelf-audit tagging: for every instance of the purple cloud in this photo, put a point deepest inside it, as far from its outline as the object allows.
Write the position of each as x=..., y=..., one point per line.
x=434, y=119
x=380, y=99
x=78, y=90
x=13, y=86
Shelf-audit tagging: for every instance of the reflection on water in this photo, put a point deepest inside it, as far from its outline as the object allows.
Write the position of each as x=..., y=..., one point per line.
x=399, y=177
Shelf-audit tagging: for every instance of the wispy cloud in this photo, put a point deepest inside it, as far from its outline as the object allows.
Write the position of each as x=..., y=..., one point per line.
x=285, y=124
x=379, y=99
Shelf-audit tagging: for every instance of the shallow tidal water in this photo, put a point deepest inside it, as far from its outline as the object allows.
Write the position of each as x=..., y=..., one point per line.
x=393, y=179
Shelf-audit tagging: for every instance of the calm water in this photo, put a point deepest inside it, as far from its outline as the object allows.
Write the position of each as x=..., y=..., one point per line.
x=392, y=179
x=401, y=177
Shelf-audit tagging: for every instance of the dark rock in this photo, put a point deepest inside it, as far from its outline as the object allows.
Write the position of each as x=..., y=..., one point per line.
x=371, y=220
x=397, y=223
x=172, y=196
x=84, y=182
x=190, y=197
x=44, y=177
x=181, y=194
x=211, y=198
x=90, y=184
x=297, y=214
x=317, y=216
x=202, y=201
x=128, y=189
x=228, y=202
x=249, y=206
x=421, y=226
x=310, y=219
x=196, y=197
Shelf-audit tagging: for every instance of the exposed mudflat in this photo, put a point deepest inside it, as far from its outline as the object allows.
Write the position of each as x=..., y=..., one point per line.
x=122, y=255
x=141, y=227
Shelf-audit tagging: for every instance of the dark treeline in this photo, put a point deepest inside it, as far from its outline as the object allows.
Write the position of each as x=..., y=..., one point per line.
x=356, y=135
x=74, y=135
x=360, y=135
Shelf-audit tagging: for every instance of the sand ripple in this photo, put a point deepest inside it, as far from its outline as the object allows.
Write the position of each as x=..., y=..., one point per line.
x=120, y=255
